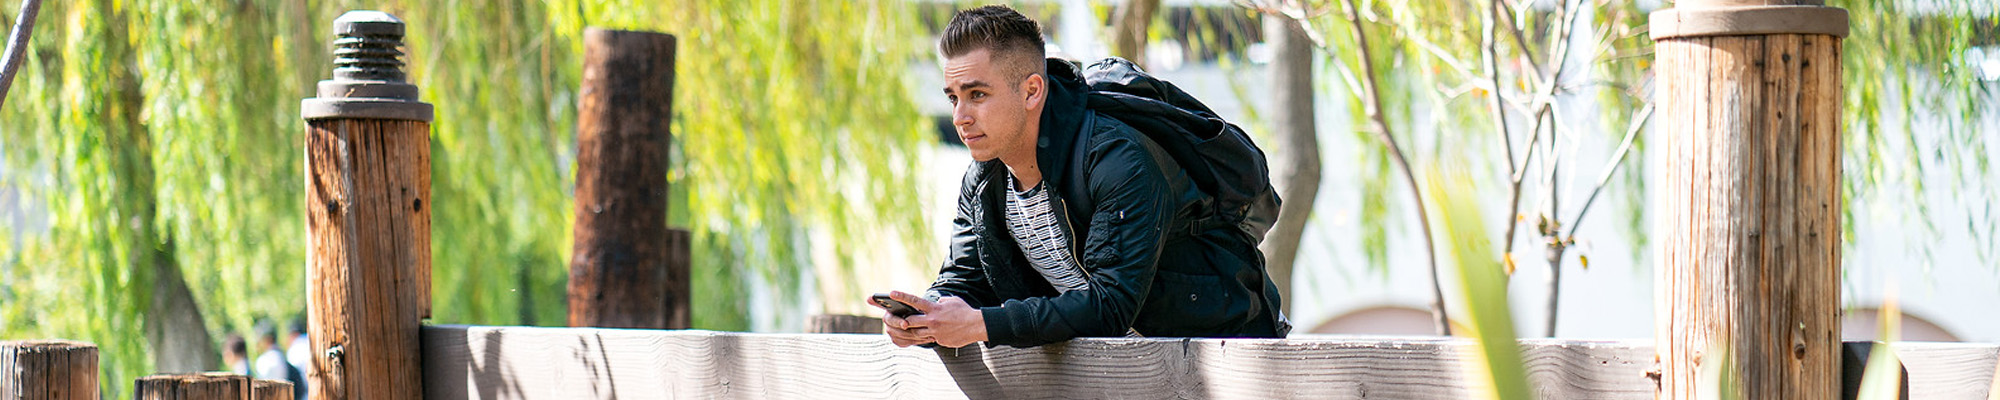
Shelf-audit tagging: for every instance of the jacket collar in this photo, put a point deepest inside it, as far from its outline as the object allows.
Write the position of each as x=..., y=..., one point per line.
x=1062, y=120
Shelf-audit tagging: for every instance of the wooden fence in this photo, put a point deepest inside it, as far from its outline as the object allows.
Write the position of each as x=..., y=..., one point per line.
x=486, y=362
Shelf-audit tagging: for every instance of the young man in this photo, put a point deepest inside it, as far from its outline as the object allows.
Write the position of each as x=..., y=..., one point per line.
x=1027, y=267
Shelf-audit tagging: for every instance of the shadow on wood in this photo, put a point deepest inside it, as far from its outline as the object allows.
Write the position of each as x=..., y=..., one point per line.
x=475, y=362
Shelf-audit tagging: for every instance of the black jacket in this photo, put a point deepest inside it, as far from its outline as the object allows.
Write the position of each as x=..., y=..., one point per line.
x=1150, y=267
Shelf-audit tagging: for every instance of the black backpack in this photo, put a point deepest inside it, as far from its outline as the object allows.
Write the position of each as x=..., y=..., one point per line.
x=1218, y=156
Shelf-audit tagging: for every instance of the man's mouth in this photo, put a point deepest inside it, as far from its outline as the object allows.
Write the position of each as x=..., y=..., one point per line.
x=971, y=138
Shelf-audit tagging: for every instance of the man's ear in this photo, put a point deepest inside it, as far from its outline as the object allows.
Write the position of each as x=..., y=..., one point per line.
x=1037, y=90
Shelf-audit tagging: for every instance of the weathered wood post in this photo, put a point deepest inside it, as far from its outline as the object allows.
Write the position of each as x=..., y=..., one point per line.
x=1749, y=94
x=270, y=389
x=627, y=270
x=208, y=386
x=368, y=190
x=48, y=369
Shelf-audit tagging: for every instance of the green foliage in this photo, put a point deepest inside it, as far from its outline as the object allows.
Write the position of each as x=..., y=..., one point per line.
x=77, y=116
x=163, y=128
x=1882, y=379
x=791, y=116
x=1482, y=284
x=1429, y=57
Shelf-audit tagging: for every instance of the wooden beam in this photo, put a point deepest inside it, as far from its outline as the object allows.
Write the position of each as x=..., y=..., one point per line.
x=478, y=362
x=48, y=370
x=368, y=215
x=844, y=323
x=627, y=269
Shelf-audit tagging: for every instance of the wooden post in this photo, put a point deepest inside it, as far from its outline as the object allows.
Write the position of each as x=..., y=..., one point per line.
x=628, y=270
x=1749, y=95
x=270, y=389
x=368, y=194
x=50, y=369
x=209, y=386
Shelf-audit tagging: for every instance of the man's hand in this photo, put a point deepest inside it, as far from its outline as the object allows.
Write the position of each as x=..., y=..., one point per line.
x=901, y=331
x=949, y=321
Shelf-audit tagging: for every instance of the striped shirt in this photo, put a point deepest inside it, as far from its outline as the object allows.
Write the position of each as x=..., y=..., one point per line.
x=1032, y=221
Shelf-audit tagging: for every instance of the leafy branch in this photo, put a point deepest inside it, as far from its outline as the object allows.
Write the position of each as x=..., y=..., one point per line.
x=1372, y=98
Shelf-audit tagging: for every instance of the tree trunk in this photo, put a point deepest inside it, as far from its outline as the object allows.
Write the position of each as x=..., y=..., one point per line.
x=174, y=325
x=1128, y=31
x=175, y=331
x=1296, y=166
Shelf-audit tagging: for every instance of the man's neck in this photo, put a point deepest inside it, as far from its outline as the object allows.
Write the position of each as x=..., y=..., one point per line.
x=1026, y=173
x=1027, y=169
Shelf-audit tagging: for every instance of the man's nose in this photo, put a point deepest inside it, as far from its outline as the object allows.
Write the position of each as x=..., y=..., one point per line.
x=960, y=116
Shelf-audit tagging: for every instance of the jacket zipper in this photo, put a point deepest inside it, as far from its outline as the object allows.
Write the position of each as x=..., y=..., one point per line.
x=1075, y=249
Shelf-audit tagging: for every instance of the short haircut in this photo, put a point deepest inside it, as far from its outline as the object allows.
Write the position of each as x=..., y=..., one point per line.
x=1011, y=39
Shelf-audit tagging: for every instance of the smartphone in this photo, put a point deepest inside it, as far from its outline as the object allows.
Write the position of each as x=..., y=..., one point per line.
x=897, y=308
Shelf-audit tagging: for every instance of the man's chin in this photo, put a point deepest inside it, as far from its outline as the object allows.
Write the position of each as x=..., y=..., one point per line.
x=983, y=156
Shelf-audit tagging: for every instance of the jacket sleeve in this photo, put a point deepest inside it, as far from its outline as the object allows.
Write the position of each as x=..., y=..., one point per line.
x=1126, y=231
x=961, y=276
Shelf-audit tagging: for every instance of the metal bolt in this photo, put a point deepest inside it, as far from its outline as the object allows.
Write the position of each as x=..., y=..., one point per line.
x=368, y=47
x=336, y=355
x=368, y=79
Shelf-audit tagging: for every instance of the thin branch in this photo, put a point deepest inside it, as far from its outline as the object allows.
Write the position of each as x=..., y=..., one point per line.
x=1551, y=163
x=17, y=46
x=1382, y=131
x=1521, y=41
x=1493, y=75
x=1631, y=132
x=1554, y=245
x=1542, y=102
x=1514, y=203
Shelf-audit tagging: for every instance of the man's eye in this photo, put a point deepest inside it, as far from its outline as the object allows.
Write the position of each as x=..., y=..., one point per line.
x=978, y=95
x=954, y=99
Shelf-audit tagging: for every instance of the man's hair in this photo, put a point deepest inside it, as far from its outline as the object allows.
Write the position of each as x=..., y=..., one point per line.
x=1013, y=41
x=235, y=346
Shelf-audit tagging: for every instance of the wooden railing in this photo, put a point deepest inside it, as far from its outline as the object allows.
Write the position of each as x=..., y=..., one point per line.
x=485, y=362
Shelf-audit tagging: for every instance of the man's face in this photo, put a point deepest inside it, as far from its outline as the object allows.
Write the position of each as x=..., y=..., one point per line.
x=992, y=111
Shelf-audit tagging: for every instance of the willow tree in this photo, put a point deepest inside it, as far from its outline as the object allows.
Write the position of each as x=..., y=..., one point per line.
x=163, y=136
x=1511, y=96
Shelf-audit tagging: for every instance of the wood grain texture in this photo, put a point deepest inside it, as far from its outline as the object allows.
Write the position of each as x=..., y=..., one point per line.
x=267, y=389
x=1750, y=233
x=548, y=363
x=627, y=269
x=208, y=386
x=843, y=323
x=368, y=214
x=48, y=369
x=477, y=362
